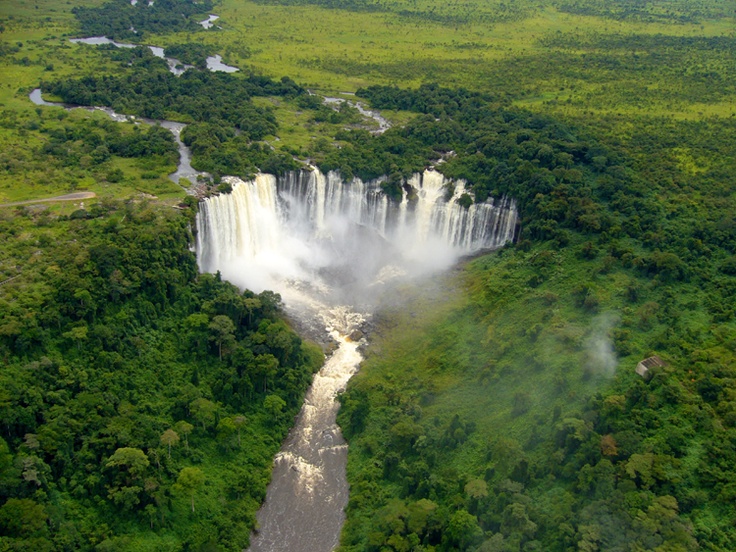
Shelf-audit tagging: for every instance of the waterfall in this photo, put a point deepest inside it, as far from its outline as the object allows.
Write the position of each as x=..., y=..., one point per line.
x=323, y=244
x=314, y=227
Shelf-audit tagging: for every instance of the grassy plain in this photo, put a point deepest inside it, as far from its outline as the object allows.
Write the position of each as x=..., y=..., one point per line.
x=575, y=63
x=537, y=58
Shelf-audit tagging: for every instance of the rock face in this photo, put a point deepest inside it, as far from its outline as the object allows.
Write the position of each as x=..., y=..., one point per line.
x=356, y=335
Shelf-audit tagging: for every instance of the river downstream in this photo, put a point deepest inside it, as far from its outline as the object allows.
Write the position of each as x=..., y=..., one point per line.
x=305, y=504
x=332, y=250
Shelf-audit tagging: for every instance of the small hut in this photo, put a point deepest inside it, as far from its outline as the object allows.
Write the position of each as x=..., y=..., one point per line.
x=644, y=368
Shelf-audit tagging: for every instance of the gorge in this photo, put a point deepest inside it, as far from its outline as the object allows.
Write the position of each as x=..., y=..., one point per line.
x=331, y=249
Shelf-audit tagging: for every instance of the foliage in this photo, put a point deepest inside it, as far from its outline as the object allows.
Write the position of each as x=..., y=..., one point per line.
x=432, y=11
x=94, y=141
x=227, y=125
x=515, y=409
x=120, y=19
x=115, y=352
x=507, y=424
x=191, y=53
x=196, y=95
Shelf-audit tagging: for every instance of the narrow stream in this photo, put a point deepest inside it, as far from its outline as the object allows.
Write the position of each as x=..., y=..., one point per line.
x=214, y=63
x=184, y=168
x=383, y=124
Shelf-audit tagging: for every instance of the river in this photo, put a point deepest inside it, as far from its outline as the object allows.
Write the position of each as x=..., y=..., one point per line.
x=333, y=250
x=184, y=169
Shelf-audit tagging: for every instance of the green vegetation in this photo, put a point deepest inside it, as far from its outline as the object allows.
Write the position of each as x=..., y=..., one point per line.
x=191, y=53
x=50, y=151
x=514, y=418
x=136, y=395
x=120, y=19
x=142, y=403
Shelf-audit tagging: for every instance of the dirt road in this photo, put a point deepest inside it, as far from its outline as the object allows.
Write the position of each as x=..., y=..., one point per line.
x=76, y=196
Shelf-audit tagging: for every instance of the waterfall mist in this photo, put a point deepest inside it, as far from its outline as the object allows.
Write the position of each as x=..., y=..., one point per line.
x=333, y=250
x=341, y=240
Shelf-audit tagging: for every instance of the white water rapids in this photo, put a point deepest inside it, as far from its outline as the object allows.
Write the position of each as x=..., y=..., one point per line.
x=331, y=249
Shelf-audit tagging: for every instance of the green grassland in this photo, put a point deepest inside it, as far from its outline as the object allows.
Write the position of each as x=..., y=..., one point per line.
x=574, y=61
x=333, y=50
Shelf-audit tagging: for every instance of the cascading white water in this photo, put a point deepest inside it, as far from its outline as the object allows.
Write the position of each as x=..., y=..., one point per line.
x=322, y=243
x=315, y=228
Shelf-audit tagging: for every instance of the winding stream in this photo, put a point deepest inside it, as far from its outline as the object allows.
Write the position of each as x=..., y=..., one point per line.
x=210, y=21
x=214, y=63
x=383, y=124
x=184, y=168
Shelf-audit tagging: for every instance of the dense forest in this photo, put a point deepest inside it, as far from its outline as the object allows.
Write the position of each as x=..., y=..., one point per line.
x=135, y=393
x=142, y=402
x=122, y=19
x=645, y=464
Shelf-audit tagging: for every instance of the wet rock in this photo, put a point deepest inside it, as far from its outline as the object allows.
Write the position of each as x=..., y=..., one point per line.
x=356, y=335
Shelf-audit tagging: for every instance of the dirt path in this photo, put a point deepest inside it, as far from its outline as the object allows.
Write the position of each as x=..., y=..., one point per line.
x=66, y=197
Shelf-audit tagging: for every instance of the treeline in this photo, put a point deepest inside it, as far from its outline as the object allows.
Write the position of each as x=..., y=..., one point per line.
x=443, y=14
x=220, y=151
x=641, y=43
x=681, y=12
x=142, y=403
x=194, y=96
x=119, y=19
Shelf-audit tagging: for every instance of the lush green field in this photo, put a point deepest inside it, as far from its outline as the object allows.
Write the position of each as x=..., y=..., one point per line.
x=506, y=392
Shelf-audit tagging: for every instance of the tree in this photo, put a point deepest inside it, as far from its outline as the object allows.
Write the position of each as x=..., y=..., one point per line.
x=189, y=481
x=251, y=305
x=22, y=517
x=131, y=464
x=77, y=334
x=609, y=447
x=204, y=411
x=239, y=422
x=196, y=326
x=184, y=428
x=516, y=521
x=274, y=406
x=168, y=438
x=477, y=490
x=129, y=459
x=463, y=530
x=222, y=331
x=225, y=430
x=266, y=367
x=421, y=513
